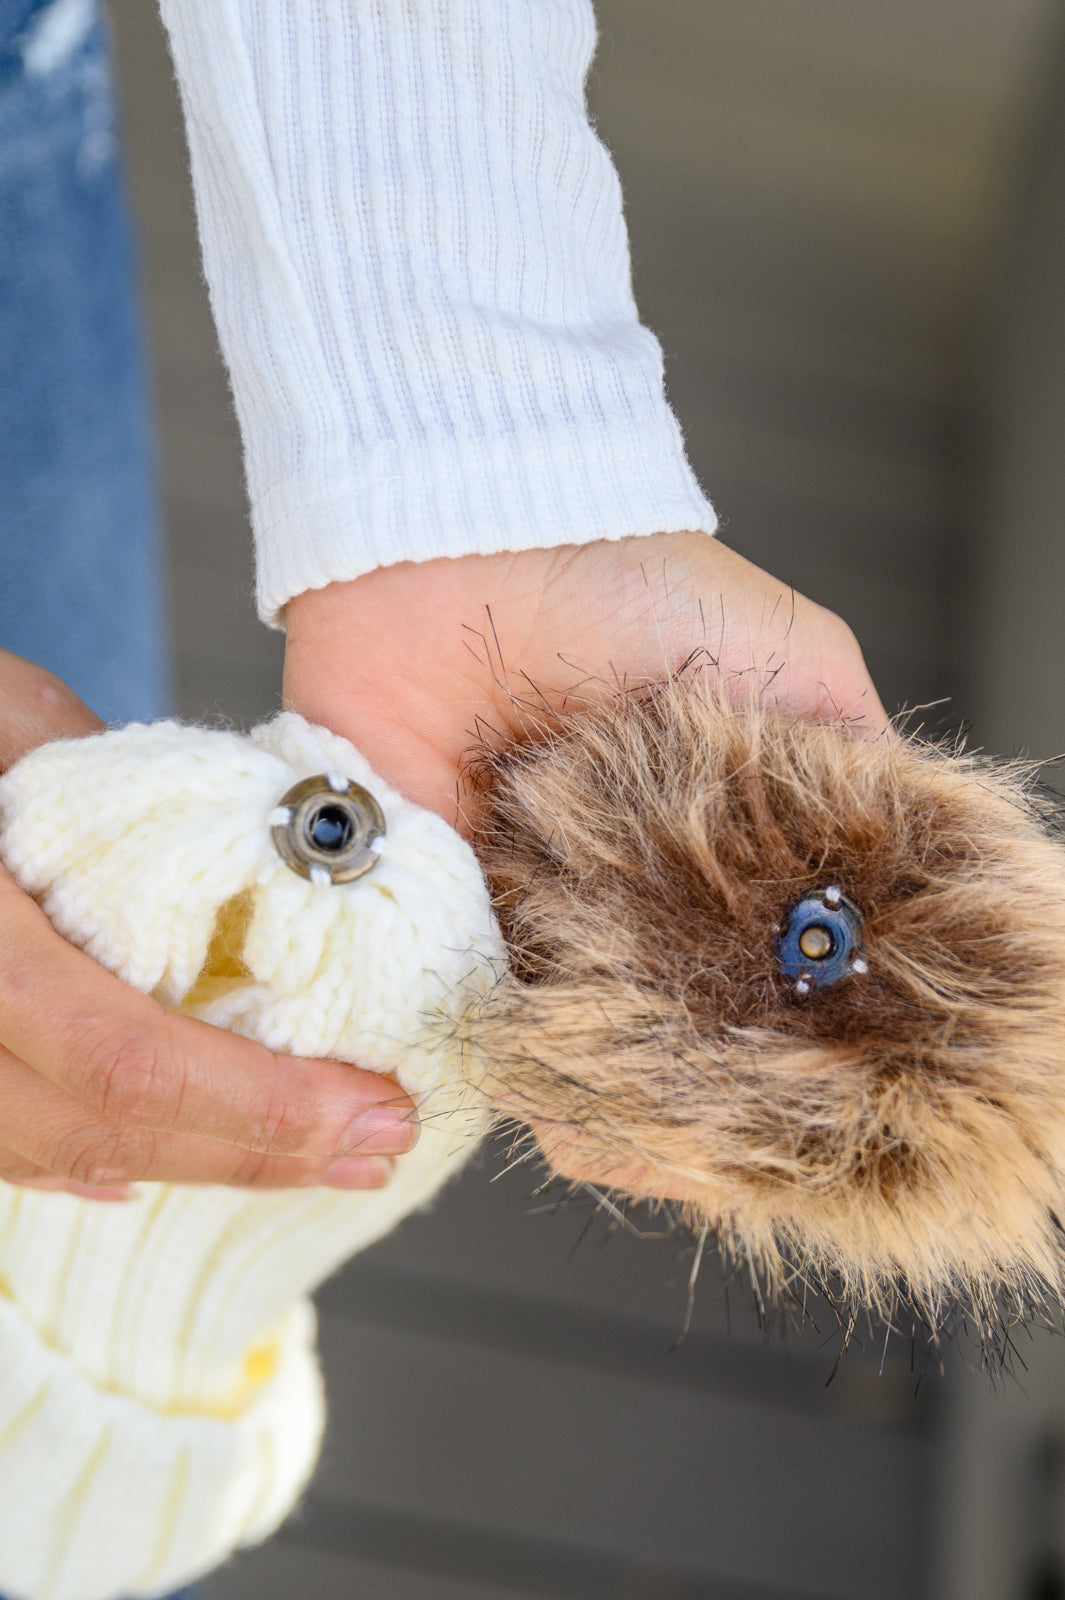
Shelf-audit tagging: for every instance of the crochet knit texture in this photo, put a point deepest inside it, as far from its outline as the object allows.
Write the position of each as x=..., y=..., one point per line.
x=160, y=1402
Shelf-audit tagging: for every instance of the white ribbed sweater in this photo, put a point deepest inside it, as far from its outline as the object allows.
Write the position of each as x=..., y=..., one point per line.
x=160, y=1401
x=420, y=274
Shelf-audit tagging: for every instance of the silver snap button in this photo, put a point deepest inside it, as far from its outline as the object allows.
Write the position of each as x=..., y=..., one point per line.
x=325, y=828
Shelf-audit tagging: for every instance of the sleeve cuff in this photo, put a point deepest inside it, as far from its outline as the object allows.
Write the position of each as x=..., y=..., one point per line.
x=473, y=497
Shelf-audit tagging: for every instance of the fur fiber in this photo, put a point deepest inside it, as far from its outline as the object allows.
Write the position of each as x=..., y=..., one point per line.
x=900, y=1135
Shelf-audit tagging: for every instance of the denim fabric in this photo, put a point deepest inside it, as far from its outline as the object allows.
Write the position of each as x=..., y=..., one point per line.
x=79, y=531
x=79, y=536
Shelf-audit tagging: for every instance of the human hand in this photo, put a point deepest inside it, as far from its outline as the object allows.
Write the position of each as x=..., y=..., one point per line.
x=409, y=661
x=99, y=1087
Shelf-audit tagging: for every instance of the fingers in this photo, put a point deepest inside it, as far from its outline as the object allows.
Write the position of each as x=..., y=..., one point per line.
x=764, y=632
x=27, y=1174
x=50, y=1136
x=132, y=1066
x=99, y=1087
x=846, y=689
x=103, y=1087
x=37, y=706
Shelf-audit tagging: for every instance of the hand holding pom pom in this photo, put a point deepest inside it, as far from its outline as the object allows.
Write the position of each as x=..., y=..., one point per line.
x=809, y=985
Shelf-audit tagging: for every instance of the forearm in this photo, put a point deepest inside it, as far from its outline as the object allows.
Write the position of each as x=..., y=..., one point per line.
x=420, y=274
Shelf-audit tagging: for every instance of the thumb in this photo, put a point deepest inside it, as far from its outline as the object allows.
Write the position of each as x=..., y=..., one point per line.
x=36, y=706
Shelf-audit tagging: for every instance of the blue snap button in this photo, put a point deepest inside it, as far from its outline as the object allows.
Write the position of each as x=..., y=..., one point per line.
x=821, y=941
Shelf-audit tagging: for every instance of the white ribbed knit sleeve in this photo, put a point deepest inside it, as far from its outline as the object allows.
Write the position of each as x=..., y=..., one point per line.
x=420, y=274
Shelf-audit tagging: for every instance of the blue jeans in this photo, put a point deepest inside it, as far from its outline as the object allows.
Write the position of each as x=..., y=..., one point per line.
x=80, y=586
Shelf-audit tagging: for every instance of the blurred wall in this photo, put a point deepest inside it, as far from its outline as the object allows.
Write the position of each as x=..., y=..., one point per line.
x=815, y=195
x=1018, y=643
x=1000, y=1525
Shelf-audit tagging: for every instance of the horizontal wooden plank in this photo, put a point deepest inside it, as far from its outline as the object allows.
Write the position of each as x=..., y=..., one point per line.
x=299, y=1568
x=682, y=1480
x=475, y=1555
x=810, y=1374
x=500, y=1235
x=496, y=1230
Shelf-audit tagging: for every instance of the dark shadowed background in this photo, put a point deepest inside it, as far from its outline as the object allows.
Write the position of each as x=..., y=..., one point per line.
x=848, y=229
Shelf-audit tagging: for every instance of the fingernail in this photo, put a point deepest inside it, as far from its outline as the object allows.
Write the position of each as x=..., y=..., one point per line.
x=381, y=1131
x=358, y=1172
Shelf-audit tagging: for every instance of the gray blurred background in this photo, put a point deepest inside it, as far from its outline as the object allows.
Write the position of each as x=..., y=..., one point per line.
x=848, y=228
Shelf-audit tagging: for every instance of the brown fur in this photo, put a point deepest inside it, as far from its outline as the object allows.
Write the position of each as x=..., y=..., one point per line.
x=904, y=1130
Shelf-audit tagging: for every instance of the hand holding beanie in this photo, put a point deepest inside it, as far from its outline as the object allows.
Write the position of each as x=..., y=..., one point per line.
x=161, y=1403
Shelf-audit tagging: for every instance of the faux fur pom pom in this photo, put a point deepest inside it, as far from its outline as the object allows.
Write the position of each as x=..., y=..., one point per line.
x=812, y=986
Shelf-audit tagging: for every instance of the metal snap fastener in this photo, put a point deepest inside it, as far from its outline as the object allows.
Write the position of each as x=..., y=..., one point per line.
x=325, y=827
x=821, y=941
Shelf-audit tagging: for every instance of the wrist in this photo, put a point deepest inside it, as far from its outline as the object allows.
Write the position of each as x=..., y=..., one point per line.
x=403, y=664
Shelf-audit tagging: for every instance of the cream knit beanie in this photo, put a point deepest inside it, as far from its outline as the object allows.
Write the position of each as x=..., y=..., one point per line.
x=160, y=1402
